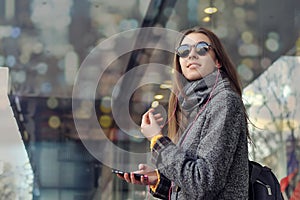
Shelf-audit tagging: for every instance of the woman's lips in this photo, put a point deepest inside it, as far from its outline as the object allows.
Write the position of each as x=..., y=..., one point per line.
x=193, y=65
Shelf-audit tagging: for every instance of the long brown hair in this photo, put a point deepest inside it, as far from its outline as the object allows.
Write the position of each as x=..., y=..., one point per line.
x=227, y=67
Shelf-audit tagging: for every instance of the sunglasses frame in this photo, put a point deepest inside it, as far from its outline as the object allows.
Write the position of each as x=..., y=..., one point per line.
x=204, y=46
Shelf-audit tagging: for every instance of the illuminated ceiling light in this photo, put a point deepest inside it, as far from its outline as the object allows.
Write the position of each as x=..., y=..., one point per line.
x=210, y=10
x=206, y=19
x=158, y=96
x=154, y=104
x=166, y=85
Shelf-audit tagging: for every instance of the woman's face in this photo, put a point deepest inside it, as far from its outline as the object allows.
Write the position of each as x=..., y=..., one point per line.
x=196, y=66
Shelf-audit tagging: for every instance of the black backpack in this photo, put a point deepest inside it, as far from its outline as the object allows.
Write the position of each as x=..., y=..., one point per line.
x=263, y=184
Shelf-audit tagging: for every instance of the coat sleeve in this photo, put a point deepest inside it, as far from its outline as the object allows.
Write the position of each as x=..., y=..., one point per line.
x=162, y=189
x=204, y=175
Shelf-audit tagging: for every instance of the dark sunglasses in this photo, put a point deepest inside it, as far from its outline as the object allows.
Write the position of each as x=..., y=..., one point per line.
x=201, y=48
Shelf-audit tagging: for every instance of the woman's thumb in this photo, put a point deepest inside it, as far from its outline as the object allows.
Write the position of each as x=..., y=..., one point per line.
x=142, y=167
x=151, y=117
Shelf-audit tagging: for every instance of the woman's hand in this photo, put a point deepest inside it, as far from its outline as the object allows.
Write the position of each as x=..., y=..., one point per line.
x=150, y=124
x=149, y=176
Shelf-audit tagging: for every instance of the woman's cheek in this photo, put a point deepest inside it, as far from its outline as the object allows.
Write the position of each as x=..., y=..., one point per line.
x=182, y=63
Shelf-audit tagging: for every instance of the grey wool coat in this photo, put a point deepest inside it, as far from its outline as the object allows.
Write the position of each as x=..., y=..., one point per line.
x=210, y=161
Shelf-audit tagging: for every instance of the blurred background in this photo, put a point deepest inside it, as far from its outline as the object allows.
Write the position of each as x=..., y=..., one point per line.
x=44, y=42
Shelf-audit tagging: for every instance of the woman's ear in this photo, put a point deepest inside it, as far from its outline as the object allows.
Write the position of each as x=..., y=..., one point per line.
x=218, y=65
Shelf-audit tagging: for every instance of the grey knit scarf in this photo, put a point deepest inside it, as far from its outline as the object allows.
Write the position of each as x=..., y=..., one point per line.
x=195, y=93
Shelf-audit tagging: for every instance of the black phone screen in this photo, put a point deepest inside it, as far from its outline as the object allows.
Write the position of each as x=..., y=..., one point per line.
x=136, y=176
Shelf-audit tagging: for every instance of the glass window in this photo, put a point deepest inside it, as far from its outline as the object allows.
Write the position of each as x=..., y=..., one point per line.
x=84, y=72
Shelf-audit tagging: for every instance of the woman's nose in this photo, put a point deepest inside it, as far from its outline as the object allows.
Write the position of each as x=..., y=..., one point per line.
x=193, y=53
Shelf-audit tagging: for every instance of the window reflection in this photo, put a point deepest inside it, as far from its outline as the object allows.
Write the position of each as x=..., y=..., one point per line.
x=44, y=43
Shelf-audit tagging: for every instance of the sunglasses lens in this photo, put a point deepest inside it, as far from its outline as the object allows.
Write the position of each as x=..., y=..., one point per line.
x=202, y=49
x=183, y=51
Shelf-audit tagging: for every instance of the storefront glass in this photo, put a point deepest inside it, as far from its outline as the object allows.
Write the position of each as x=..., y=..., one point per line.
x=82, y=72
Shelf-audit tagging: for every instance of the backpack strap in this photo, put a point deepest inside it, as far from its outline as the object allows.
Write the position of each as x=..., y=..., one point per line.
x=255, y=169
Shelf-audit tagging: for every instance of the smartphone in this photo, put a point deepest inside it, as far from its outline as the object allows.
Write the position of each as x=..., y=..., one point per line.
x=136, y=176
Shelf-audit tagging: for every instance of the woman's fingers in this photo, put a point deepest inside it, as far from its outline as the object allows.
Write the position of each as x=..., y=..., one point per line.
x=143, y=179
x=146, y=175
x=127, y=178
x=149, y=117
x=155, y=117
x=133, y=180
x=151, y=124
x=145, y=118
x=121, y=177
x=142, y=167
x=158, y=117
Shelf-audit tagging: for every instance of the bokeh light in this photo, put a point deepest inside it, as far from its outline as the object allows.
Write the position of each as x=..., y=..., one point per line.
x=105, y=105
x=239, y=13
x=247, y=37
x=52, y=102
x=42, y=68
x=54, y=122
x=105, y=121
x=2, y=60
x=272, y=44
x=10, y=60
x=265, y=62
x=46, y=87
x=245, y=72
x=18, y=76
x=155, y=104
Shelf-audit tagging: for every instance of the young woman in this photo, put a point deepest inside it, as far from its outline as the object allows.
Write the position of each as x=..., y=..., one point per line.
x=205, y=154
